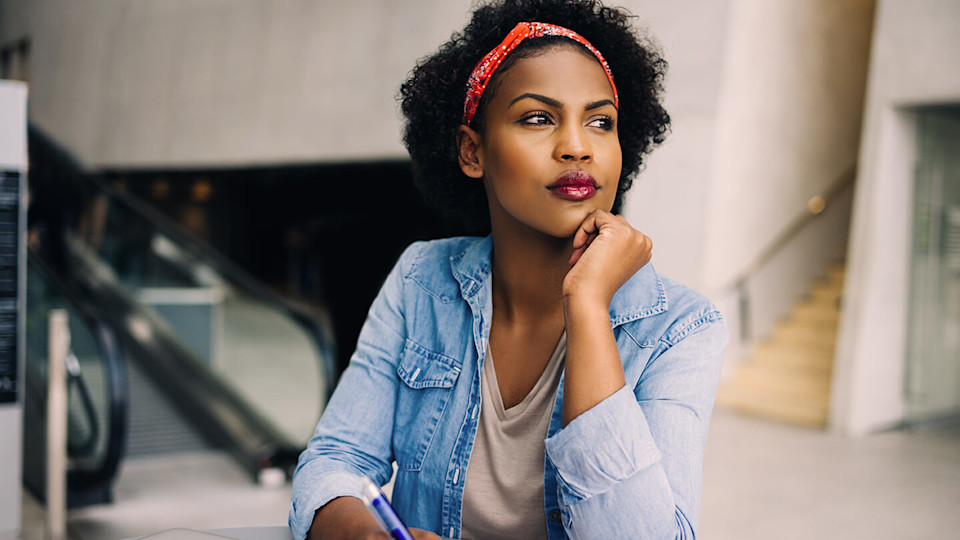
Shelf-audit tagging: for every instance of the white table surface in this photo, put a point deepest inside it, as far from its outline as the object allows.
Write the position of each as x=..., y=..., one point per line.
x=278, y=532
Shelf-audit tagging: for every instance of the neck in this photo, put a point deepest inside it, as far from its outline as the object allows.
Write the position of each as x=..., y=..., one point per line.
x=528, y=272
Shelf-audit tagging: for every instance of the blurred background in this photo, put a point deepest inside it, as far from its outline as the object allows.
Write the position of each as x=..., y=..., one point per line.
x=206, y=179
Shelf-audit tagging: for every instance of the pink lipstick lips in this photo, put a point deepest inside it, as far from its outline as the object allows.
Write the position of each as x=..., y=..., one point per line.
x=574, y=186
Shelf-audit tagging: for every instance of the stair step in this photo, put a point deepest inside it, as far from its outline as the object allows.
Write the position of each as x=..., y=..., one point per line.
x=788, y=378
x=806, y=359
x=804, y=336
x=837, y=273
x=807, y=312
x=827, y=294
x=784, y=381
x=154, y=425
x=774, y=407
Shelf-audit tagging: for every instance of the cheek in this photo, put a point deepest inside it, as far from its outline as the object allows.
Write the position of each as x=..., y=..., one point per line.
x=511, y=159
x=615, y=154
x=512, y=173
x=613, y=162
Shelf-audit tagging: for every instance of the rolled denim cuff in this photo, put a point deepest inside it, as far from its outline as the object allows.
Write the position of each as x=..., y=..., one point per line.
x=602, y=447
x=325, y=488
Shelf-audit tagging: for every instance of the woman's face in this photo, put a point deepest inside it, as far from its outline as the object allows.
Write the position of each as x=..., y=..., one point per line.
x=550, y=154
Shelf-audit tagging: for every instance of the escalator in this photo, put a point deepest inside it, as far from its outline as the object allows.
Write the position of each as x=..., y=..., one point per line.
x=240, y=368
x=97, y=390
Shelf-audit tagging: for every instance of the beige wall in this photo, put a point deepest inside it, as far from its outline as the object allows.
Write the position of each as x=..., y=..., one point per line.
x=914, y=63
x=669, y=199
x=215, y=82
x=788, y=126
x=765, y=99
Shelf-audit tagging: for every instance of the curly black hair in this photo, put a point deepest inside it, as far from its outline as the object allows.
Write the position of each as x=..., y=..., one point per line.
x=431, y=99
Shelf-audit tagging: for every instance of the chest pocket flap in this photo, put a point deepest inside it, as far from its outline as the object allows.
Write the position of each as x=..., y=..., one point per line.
x=428, y=380
x=422, y=368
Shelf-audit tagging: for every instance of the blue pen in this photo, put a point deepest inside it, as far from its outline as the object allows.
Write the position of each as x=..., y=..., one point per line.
x=385, y=514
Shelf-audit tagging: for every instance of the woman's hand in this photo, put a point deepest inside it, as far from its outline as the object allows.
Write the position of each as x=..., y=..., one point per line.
x=347, y=518
x=607, y=252
x=418, y=534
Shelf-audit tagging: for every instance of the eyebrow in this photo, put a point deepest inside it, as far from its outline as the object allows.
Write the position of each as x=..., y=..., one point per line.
x=598, y=104
x=557, y=104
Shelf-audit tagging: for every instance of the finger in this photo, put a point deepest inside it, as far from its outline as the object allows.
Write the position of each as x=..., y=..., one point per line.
x=578, y=252
x=423, y=535
x=575, y=256
x=583, y=233
x=590, y=225
x=590, y=230
x=649, y=245
x=582, y=247
x=644, y=249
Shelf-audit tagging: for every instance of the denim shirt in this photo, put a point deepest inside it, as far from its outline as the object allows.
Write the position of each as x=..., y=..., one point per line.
x=630, y=467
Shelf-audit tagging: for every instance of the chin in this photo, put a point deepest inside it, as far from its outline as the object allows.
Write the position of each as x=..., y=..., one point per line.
x=567, y=227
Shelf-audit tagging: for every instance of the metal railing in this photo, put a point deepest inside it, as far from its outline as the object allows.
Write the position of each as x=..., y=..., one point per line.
x=814, y=208
x=96, y=420
x=120, y=252
x=198, y=251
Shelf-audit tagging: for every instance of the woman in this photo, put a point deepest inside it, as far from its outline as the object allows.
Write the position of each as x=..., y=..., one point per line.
x=542, y=381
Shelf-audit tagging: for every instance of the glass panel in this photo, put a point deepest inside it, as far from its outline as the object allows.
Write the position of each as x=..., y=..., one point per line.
x=258, y=349
x=88, y=406
x=933, y=363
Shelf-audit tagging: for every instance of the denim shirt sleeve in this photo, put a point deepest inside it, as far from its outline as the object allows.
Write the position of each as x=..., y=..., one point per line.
x=631, y=466
x=353, y=436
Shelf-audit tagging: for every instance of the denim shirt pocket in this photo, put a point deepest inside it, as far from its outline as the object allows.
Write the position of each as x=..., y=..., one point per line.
x=428, y=378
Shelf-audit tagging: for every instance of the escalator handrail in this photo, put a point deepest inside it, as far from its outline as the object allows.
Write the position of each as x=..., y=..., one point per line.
x=319, y=331
x=224, y=417
x=220, y=413
x=75, y=380
x=118, y=408
x=114, y=372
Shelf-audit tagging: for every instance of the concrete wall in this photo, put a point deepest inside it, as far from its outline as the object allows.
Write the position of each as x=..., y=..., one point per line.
x=914, y=63
x=669, y=199
x=221, y=82
x=218, y=82
x=788, y=127
x=765, y=99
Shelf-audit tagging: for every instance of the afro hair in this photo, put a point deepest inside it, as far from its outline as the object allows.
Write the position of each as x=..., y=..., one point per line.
x=433, y=95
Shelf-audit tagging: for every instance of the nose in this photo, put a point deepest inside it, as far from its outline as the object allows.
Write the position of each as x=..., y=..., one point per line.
x=572, y=143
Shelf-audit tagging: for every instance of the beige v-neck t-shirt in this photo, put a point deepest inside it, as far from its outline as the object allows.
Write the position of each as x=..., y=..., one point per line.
x=503, y=491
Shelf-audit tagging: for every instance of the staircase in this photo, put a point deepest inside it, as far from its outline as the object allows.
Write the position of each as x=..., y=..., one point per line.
x=788, y=377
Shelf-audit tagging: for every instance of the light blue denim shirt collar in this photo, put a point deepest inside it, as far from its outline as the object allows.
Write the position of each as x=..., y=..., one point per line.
x=641, y=296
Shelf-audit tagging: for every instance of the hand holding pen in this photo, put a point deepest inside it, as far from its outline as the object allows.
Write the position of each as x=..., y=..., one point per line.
x=349, y=518
x=378, y=505
x=385, y=514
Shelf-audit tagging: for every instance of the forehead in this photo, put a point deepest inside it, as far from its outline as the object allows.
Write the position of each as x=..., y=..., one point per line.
x=560, y=70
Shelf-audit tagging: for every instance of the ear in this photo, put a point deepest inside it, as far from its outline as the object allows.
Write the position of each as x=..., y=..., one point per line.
x=469, y=152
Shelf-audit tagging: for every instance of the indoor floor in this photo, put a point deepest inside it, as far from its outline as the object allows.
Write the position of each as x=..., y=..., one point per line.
x=761, y=481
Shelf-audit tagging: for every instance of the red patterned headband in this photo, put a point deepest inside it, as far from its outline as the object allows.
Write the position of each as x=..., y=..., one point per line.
x=485, y=68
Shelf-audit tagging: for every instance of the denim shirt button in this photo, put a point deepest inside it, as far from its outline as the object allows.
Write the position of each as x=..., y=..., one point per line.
x=555, y=515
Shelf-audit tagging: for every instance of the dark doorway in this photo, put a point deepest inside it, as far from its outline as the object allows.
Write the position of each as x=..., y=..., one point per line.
x=325, y=234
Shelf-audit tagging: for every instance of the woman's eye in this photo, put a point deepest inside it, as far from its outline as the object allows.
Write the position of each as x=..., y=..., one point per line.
x=605, y=123
x=536, y=119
